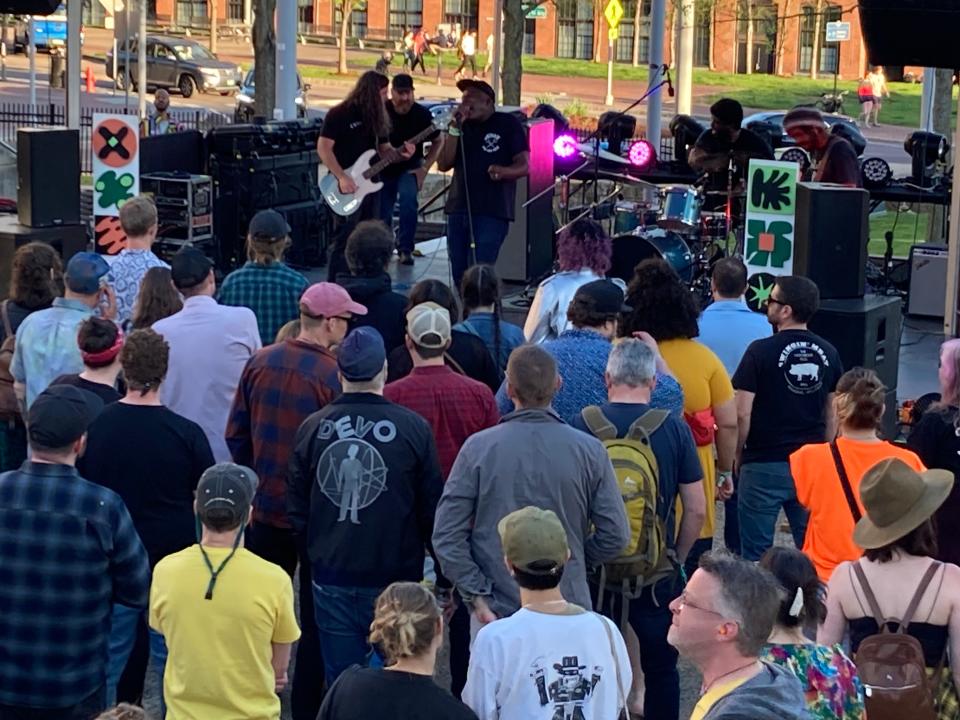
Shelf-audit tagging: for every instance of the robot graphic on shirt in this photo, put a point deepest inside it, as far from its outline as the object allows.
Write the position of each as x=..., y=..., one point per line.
x=569, y=692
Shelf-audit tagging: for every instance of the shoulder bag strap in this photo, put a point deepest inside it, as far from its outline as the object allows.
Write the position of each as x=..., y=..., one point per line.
x=457, y=367
x=647, y=424
x=7, y=328
x=616, y=664
x=845, y=482
x=598, y=424
x=918, y=595
x=871, y=598
x=468, y=326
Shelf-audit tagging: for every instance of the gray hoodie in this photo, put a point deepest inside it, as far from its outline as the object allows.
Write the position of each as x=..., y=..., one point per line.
x=531, y=458
x=774, y=694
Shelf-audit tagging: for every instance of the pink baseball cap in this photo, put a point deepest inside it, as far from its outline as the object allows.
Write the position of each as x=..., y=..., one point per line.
x=329, y=300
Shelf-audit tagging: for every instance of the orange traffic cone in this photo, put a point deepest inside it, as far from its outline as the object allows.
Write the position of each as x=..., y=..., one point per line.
x=91, y=83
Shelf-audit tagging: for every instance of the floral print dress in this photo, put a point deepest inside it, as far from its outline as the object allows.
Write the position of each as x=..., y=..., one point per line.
x=829, y=678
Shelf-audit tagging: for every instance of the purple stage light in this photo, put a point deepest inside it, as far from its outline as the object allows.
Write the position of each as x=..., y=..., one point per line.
x=564, y=146
x=641, y=153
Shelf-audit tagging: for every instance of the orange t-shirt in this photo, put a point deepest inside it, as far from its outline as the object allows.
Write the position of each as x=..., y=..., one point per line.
x=829, y=538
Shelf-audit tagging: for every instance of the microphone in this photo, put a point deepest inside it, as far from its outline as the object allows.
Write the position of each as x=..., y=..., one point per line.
x=666, y=71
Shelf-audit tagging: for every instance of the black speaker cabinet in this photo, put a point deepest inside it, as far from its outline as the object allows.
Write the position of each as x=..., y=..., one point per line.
x=830, y=239
x=865, y=331
x=67, y=240
x=527, y=251
x=48, y=176
x=911, y=32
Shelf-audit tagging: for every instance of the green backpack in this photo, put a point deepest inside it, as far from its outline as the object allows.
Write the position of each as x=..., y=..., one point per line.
x=645, y=557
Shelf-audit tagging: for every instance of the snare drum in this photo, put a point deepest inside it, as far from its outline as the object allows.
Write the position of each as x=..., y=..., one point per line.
x=679, y=208
x=628, y=216
x=631, y=249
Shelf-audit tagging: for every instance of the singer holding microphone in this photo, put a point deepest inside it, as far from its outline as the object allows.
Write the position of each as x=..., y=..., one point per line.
x=487, y=151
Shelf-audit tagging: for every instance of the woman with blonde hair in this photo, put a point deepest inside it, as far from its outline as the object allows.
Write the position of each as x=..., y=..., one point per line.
x=407, y=628
x=832, y=497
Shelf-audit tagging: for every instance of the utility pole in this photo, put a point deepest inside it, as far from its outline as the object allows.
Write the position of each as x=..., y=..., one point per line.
x=286, y=107
x=658, y=22
x=497, y=48
x=74, y=20
x=685, y=59
x=213, y=26
x=142, y=59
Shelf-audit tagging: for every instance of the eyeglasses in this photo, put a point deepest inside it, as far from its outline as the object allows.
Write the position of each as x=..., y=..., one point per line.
x=341, y=317
x=685, y=603
x=770, y=300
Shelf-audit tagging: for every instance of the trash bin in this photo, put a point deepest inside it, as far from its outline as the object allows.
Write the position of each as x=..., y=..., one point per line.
x=56, y=69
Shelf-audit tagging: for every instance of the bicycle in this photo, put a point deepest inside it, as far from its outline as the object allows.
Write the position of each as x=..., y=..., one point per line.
x=831, y=102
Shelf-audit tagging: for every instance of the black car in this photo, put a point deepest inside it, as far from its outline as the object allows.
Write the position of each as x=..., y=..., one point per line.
x=174, y=62
x=246, y=97
x=770, y=125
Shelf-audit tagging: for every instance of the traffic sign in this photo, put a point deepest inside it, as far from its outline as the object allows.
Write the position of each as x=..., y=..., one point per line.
x=613, y=34
x=838, y=31
x=540, y=11
x=613, y=12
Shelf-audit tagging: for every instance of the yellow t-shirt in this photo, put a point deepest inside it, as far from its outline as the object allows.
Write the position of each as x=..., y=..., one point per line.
x=710, y=698
x=219, y=664
x=705, y=384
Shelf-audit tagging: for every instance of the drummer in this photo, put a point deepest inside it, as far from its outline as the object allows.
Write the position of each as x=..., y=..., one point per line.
x=726, y=141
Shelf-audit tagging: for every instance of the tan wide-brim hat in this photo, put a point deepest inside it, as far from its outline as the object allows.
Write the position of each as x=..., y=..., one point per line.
x=898, y=500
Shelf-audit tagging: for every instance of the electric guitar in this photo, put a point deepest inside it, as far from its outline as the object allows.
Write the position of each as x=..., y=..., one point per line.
x=362, y=172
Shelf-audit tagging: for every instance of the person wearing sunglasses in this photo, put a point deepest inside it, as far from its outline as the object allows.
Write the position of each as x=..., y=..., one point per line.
x=784, y=386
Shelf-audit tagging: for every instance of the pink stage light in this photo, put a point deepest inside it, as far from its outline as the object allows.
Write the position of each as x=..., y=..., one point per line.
x=641, y=153
x=564, y=146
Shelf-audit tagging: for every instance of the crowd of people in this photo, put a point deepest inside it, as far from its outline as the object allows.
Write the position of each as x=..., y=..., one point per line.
x=548, y=498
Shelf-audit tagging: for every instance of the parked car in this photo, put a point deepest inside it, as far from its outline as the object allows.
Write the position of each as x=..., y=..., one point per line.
x=243, y=113
x=770, y=125
x=178, y=63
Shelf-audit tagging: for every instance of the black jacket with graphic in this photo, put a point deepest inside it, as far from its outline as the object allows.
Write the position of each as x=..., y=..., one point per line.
x=363, y=485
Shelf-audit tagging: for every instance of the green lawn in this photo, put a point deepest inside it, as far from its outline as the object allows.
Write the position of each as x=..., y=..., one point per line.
x=909, y=229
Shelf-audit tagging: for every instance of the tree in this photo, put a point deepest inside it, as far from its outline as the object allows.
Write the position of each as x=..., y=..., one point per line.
x=598, y=24
x=511, y=54
x=345, y=8
x=265, y=56
x=781, y=37
x=213, y=26
x=815, y=59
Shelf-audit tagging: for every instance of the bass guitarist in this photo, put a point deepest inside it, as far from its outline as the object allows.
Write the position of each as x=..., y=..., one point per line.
x=358, y=124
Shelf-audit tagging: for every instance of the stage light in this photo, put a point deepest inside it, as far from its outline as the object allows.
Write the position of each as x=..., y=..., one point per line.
x=641, y=154
x=797, y=155
x=926, y=150
x=876, y=172
x=565, y=146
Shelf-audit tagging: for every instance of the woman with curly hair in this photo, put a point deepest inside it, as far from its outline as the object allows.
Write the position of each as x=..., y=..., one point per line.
x=36, y=278
x=664, y=307
x=583, y=255
x=407, y=628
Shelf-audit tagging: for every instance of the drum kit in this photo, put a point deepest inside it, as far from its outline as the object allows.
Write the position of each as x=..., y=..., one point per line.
x=673, y=226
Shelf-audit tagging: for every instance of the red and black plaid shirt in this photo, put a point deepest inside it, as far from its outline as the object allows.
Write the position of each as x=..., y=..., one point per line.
x=455, y=406
x=281, y=386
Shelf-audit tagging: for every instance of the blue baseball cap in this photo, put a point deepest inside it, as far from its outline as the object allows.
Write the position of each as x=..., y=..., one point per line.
x=84, y=271
x=361, y=355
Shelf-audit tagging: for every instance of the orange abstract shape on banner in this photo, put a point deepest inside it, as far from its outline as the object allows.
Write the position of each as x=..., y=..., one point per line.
x=114, y=143
x=109, y=236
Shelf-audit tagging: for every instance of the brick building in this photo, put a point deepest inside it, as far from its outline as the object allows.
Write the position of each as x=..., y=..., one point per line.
x=787, y=36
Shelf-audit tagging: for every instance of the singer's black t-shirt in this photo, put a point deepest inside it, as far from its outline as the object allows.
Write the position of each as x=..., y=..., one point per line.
x=496, y=141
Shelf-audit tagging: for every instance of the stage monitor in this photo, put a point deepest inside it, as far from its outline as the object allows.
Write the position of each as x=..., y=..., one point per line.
x=29, y=7
x=911, y=32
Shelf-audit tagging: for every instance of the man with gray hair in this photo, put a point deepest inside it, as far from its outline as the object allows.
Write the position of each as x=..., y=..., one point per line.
x=721, y=622
x=630, y=377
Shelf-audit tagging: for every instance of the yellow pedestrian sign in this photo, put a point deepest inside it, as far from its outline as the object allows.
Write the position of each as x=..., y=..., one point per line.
x=613, y=33
x=613, y=12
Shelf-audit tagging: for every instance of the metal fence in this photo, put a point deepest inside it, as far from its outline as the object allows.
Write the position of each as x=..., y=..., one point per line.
x=20, y=115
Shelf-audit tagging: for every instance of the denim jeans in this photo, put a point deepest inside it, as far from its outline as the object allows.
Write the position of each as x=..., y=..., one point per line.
x=763, y=489
x=344, y=615
x=123, y=632
x=649, y=616
x=405, y=187
x=89, y=707
x=489, y=234
x=342, y=227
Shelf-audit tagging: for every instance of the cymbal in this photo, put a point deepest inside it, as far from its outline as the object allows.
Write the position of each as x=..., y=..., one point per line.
x=724, y=193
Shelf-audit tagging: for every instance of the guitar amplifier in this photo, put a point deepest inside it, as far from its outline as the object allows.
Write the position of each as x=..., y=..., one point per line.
x=928, y=280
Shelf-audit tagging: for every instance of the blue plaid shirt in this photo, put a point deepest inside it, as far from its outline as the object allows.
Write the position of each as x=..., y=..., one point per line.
x=581, y=357
x=68, y=551
x=272, y=291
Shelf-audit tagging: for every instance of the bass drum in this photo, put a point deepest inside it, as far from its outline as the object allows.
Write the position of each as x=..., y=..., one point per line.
x=644, y=243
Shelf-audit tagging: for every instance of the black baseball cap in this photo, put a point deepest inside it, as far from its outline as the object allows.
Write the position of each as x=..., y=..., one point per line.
x=402, y=82
x=60, y=415
x=604, y=297
x=480, y=85
x=226, y=486
x=269, y=224
x=189, y=267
